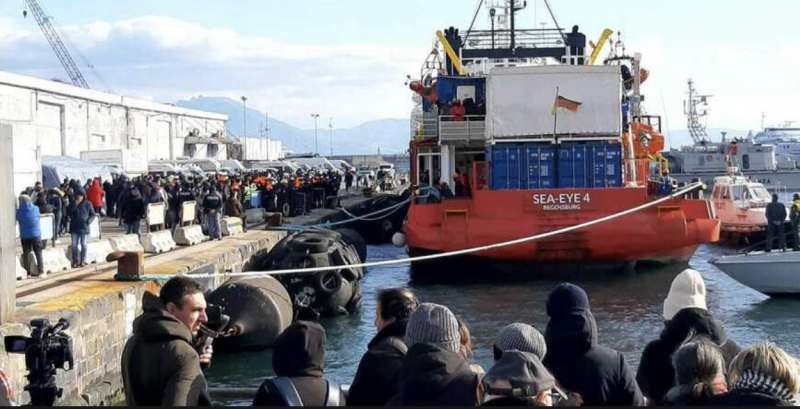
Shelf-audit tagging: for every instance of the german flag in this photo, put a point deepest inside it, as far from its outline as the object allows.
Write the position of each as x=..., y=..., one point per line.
x=566, y=103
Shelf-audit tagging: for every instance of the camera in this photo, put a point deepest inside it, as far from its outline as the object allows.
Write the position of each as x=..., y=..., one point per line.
x=46, y=350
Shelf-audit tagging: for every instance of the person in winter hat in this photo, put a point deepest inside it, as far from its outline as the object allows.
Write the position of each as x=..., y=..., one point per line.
x=521, y=337
x=434, y=373
x=518, y=379
x=686, y=316
x=761, y=375
x=597, y=373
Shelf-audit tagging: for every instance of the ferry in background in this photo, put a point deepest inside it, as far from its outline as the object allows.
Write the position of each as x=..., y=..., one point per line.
x=532, y=135
x=770, y=158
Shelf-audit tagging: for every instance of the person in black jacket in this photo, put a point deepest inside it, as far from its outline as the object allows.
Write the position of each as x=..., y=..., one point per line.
x=434, y=373
x=298, y=360
x=776, y=218
x=212, y=206
x=762, y=375
x=685, y=316
x=133, y=212
x=599, y=374
x=378, y=372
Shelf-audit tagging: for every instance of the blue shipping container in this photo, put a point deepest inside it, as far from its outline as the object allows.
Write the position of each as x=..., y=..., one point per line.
x=589, y=164
x=522, y=165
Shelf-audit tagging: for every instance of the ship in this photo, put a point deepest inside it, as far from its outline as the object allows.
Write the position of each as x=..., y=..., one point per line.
x=771, y=157
x=534, y=133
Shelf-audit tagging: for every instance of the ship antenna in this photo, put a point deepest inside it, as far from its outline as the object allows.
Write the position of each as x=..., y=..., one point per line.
x=553, y=16
x=472, y=24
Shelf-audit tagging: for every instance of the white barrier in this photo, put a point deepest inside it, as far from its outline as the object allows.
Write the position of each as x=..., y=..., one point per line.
x=155, y=214
x=94, y=229
x=128, y=242
x=55, y=259
x=97, y=251
x=232, y=226
x=46, y=227
x=258, y=215
x=190, y=235
x=188, y=212
x=158, y=242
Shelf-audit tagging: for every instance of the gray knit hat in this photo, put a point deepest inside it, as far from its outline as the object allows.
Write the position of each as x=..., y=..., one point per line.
x=433, y=324
x=522, y=337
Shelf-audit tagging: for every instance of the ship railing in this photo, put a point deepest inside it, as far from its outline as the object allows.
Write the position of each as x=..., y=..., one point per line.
x=462, y=129
x=528, y=38
x=425, y=125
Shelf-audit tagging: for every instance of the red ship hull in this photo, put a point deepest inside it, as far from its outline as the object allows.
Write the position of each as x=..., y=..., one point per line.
x=668, y=232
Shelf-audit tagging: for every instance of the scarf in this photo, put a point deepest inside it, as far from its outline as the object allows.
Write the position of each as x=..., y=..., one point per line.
x=757, y=382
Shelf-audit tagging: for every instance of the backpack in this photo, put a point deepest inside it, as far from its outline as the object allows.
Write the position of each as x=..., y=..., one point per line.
x=284, y=387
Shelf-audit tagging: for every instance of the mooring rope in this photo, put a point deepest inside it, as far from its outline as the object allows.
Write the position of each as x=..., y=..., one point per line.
x=365, y=217
x=406, y=260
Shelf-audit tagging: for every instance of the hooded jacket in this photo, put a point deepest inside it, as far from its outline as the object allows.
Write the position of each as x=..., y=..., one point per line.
x=599, y=374
x=656, y=374
x=378, y=373
x=298, y=354
x=81, y=216
x=95, y=194
x=159, y=365
x=134, y=209
x=433, y=376
x=28, y=219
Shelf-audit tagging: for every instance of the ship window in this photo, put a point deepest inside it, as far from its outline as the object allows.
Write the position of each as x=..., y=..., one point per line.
x=716, y=192
x=759, y=192
x=724, y=193
x=746, y=161
x=738, y=192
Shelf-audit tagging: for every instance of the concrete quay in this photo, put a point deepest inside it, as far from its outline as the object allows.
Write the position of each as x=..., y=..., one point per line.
x=101, y=310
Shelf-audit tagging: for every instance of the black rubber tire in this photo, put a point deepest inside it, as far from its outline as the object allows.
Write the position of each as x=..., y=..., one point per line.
x=328, y=282
x=286, y=210
x=311, y=244
x=355, y=239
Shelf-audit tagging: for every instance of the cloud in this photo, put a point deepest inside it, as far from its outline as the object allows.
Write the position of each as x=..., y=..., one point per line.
x=167, y=59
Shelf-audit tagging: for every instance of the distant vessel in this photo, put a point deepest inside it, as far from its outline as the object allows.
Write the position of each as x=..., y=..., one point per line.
x=766, y=158
x=537, y=138
x=740, y=205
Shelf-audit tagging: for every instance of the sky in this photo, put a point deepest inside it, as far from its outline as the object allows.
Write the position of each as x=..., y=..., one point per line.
x=348, y=59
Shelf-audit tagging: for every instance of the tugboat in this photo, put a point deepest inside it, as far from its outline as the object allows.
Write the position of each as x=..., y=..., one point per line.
x=530, y=135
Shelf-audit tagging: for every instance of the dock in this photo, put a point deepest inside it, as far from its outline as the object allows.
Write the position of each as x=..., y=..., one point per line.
x=101, y=310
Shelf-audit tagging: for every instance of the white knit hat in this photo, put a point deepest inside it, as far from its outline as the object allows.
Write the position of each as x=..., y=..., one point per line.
x=688, y=290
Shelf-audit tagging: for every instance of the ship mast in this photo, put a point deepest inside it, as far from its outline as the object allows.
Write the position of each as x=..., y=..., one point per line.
x=696, y=108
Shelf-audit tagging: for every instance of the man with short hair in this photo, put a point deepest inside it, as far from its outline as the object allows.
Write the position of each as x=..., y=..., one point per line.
x=378, y=374
x=81, y=216
x=794, y=217
x=776, y=218
x=160, y=366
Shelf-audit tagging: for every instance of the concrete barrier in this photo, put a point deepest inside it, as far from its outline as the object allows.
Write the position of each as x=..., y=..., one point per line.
x=96, y=251
x=158, y=242
x=232, y=226
x=55, y=259
x=258, y=215
x=128, y=242
x=189, y=235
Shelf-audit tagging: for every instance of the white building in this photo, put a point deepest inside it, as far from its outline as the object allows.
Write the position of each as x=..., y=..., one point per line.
x=56, y=119
x=262, y=149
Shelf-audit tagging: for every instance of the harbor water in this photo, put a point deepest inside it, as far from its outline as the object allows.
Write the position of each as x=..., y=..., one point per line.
x=627, y=307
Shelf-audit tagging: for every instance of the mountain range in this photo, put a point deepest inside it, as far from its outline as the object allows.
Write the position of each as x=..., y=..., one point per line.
x=384, y=135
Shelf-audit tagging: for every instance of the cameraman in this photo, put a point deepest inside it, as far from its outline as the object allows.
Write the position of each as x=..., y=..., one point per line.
x=159, y=365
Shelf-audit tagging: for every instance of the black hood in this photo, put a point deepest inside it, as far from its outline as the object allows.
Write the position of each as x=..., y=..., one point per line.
x=300, y=350
x=396, y=329
x=156, y=324
x=690, y=322
x=428, y=373
x=571, y=334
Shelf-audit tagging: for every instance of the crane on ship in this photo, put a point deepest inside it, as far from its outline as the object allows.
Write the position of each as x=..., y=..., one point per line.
x=74, y=73
x=696, y=108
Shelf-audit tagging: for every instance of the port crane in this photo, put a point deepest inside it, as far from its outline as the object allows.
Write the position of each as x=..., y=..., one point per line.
x=75, y=75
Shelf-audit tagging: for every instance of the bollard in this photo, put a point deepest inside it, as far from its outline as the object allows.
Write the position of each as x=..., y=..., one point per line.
x=130, y=265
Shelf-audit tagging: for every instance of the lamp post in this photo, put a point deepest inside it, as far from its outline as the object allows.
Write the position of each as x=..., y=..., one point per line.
x=316, y=141
x=244, y=127
x=330, y=127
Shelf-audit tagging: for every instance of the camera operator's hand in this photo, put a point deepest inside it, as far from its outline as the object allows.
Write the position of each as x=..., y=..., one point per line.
x=205, y=355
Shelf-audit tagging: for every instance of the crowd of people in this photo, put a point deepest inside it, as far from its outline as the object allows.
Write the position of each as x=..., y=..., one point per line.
x=421, y=355
x=75, y=205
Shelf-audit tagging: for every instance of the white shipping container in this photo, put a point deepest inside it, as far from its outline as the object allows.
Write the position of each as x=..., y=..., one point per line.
x=130, y=161
x=521, y=100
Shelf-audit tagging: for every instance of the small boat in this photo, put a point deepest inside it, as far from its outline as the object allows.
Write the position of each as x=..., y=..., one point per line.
x=740, y=204
x=773, y=274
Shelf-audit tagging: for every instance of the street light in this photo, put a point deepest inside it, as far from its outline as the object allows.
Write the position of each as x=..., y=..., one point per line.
x=330, y=126
x=244, y=127
x=316, y=142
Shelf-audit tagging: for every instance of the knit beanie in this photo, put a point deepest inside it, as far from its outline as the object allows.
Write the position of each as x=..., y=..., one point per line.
x=567, y=299
x=688, y=290
x=521, y=337
x=433, y=324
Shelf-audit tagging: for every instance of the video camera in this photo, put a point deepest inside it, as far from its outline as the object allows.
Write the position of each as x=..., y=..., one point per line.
x=48, y=349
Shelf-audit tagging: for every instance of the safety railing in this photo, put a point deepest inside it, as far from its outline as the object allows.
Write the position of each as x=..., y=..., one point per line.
x=425, y=125
x=462, y=129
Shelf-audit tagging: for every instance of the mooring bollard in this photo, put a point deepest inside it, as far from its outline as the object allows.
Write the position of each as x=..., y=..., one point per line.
x=130, y=265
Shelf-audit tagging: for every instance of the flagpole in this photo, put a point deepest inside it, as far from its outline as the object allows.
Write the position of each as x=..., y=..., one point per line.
x=555, y=114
